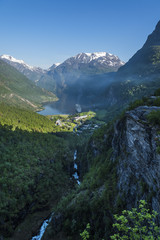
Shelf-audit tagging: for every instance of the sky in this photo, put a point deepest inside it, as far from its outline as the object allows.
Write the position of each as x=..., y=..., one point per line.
x=43, y=32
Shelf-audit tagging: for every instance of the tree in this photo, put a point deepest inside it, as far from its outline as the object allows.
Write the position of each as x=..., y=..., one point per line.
x=137, y=224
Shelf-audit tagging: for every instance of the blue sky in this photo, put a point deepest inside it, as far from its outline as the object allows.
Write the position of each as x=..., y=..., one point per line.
x=43, y=32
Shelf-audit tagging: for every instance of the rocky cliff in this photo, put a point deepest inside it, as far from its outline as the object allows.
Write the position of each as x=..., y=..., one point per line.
x=135, y=145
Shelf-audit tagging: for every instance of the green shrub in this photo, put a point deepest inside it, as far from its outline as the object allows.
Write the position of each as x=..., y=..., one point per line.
x=139, y=223
x=85, y=233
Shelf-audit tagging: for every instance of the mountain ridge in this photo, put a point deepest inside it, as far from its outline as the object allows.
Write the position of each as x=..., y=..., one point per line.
x=102, y=57
x=18, y=90
x=146, y=60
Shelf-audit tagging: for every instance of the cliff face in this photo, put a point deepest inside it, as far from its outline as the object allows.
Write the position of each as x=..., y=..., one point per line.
x=135, y=146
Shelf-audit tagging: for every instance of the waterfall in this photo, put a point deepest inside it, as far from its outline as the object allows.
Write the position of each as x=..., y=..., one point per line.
x=42, y=229
x=75, y=175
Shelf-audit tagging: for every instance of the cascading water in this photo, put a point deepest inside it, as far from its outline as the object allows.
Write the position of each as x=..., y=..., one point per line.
x=42, y=229
x=75, y=175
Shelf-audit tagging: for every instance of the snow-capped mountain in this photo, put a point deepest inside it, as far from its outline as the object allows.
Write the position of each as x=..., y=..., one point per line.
x=74, y=71
x=82, y=66
x=80, y=78
x=103, y=58
x=96, y=62
x=20, y=64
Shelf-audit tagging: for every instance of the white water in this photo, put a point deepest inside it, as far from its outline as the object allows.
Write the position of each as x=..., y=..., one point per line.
x=75, y=155
x=75, y=175
x=75, y=166
x=42, y=229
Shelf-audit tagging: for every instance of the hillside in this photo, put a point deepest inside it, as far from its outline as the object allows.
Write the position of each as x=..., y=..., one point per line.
x=37, y=166
x=36, y=74
x=35, y=162
x=17, y=90
x=119, y=166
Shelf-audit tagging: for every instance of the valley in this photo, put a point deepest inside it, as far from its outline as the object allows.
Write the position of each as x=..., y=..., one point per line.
x=79, y=143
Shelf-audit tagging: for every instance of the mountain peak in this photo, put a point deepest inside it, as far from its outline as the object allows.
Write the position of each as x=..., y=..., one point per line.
x=101, y=58
x=18, y=63
x=54, y=66
x=12, y=59
x=95, y=55
x=154, y=37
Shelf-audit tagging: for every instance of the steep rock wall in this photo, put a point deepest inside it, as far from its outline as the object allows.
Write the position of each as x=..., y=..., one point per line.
x=135, y=146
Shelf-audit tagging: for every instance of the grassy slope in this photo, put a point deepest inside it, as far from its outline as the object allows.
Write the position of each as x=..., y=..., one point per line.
x=16, y=89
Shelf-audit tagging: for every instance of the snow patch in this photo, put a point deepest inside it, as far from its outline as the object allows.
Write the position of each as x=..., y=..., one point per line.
x=14, y=60
x=100, y=57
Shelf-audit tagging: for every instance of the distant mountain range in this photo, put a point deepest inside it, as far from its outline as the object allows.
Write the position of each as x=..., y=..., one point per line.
x=100, y=79
x=83, y=63
x=76, y=80
x=97, y=62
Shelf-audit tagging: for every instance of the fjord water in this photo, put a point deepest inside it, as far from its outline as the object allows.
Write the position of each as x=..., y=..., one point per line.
x=50, y=110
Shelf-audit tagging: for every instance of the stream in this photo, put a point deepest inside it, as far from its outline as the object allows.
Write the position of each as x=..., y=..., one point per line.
x=47, y=221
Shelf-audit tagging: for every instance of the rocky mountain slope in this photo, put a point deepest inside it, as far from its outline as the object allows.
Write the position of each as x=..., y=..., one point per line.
x=135, y=145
